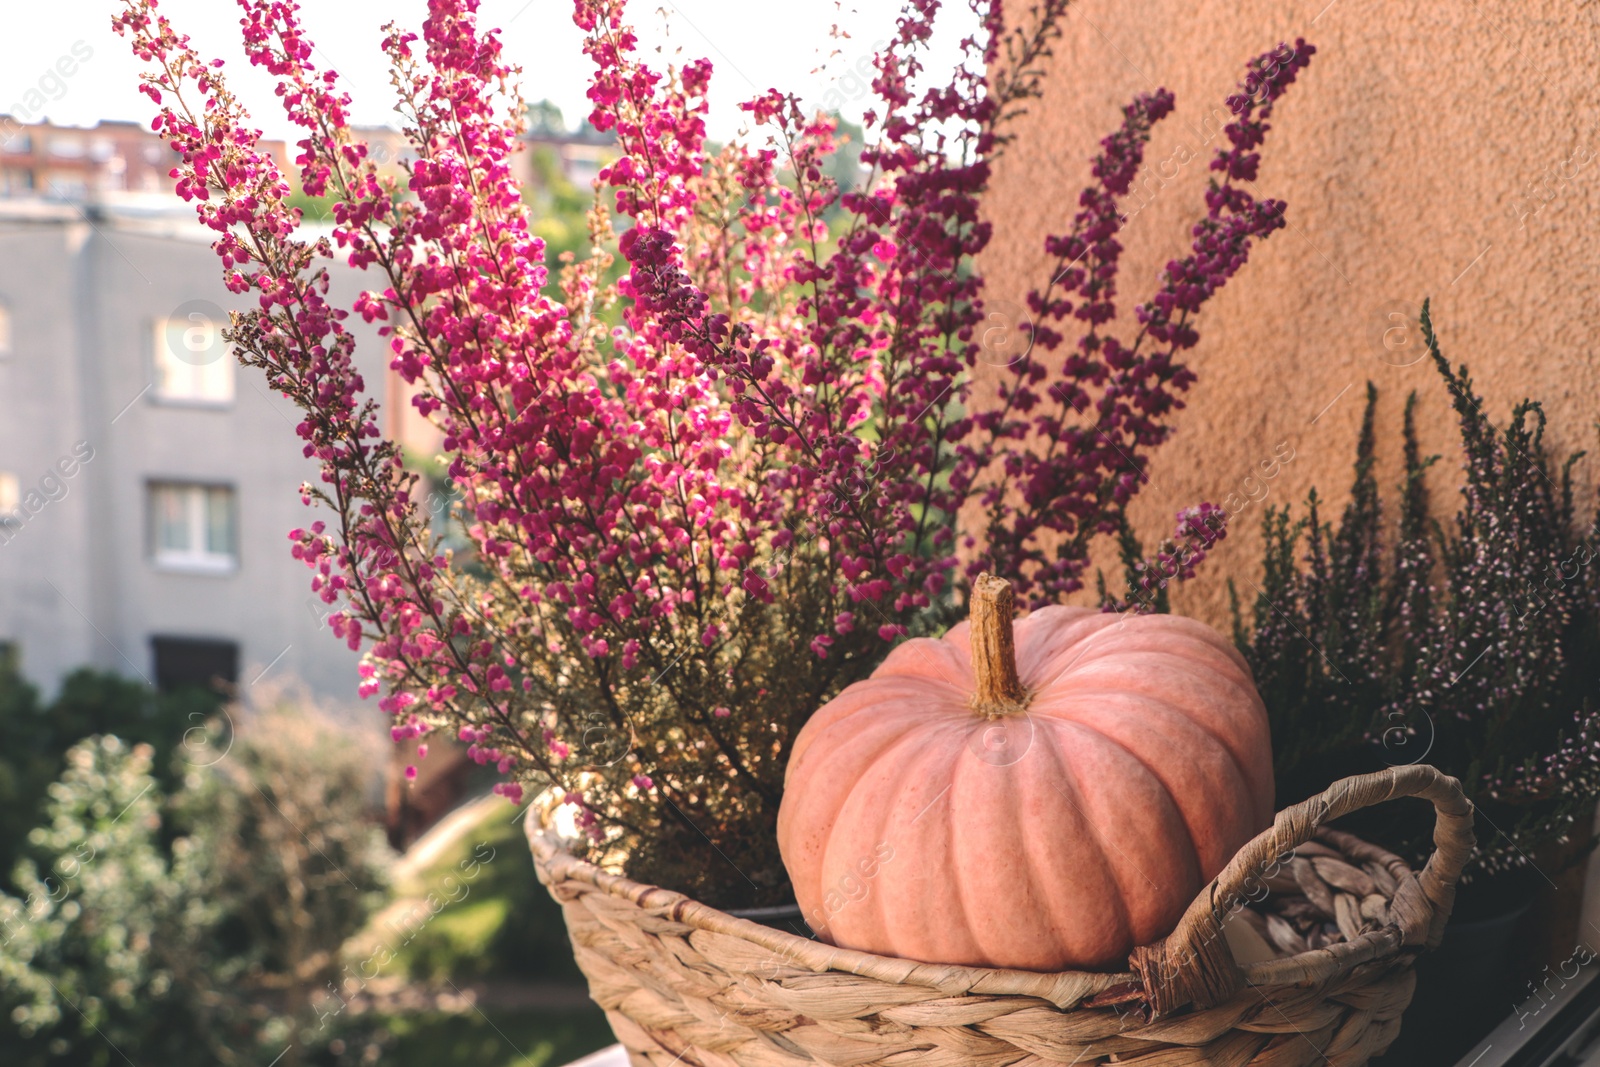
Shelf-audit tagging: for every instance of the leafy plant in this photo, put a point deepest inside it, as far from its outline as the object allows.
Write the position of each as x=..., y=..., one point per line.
x=288, y=821
x=108, y=933
x=1473, y=644
x=688, y=530
x=197, y=928
x=35, y=736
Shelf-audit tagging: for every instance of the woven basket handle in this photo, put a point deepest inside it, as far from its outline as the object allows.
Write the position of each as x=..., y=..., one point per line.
x=1194, y=965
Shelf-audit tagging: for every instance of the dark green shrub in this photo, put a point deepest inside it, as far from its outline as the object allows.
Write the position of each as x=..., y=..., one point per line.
x=35, y=737
x=1470, y=644
x=195, y=929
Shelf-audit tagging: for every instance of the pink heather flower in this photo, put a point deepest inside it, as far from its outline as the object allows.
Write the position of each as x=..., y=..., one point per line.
x=642, y=782
x=1106, y=405
x=776, y=420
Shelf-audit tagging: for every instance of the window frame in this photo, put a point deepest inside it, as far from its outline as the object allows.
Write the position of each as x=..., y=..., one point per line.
x=196, y=505
x=162, y=358
x=10, y=498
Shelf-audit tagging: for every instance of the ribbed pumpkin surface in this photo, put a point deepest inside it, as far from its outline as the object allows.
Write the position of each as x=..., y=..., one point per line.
x=1059, y=836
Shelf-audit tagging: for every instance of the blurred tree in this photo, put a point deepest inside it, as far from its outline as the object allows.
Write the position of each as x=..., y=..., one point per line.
x=844, y=166
x=291, y=825
x=545, y=119
x=205, y=939
x=35, y=737
x=105, y=949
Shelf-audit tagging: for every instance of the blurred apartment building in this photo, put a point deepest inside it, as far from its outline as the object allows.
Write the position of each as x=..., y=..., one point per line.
x=578, y=154
x=147, y=481
x=70, y=163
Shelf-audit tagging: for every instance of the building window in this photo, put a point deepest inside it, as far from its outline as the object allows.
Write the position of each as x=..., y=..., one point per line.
x=66, y=148
x=18, y=144
x=192, y=527
x=66, y=187
x=191, y=661
x=15, y=182
x=193, y=363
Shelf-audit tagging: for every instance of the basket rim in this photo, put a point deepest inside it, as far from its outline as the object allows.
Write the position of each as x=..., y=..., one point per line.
x=1064, y=989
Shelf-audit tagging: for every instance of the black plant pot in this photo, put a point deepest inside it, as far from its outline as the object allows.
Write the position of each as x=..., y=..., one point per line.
x=785, y=917
x=1467, y=987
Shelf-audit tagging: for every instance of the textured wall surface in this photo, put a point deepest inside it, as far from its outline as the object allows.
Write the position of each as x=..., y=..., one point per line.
x=1448, y=150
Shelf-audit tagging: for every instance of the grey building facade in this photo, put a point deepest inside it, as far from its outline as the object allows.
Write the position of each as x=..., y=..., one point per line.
x=148, y=482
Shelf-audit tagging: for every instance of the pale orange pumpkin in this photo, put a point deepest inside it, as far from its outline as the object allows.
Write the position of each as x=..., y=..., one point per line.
x=1044, y=801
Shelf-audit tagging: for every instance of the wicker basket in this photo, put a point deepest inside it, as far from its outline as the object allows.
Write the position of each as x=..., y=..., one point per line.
x=683, y=983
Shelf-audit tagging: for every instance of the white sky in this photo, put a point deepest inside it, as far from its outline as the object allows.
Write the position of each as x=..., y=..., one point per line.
x=753, y=44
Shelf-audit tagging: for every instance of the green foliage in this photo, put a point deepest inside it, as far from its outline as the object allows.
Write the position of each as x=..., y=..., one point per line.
x=1472, y=645
x=457, y=944
x=35, y=737
x=288, y=821
x=106, y=945
x=312, y=208
x=497, y=927
x=191, y=929
x=494, y=1038
x=560, y=211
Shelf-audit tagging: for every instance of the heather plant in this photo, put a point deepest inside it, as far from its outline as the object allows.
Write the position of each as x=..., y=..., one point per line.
x=698, y=501
x=1473, y=643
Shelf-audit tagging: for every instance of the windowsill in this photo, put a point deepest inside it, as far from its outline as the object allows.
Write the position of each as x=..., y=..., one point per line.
x=1549, y=1029
x=192, y=402
x=219, y=567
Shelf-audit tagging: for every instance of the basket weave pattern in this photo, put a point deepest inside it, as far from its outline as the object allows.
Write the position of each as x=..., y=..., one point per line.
x=683, y=983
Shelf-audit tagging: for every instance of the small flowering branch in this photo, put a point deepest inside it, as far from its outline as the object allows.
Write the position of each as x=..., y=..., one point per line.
x=1176, y=559
x=1104, y=408
x=685, y=531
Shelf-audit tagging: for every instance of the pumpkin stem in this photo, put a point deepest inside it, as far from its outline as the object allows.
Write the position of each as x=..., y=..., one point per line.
x=998, y=690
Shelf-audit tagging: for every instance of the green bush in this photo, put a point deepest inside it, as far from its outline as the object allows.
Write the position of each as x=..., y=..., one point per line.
x=35, y=737
x=105, y=948
x=198, y=928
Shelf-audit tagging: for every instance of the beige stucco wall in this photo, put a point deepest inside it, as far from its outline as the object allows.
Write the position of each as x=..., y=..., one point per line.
x=1412, y=154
